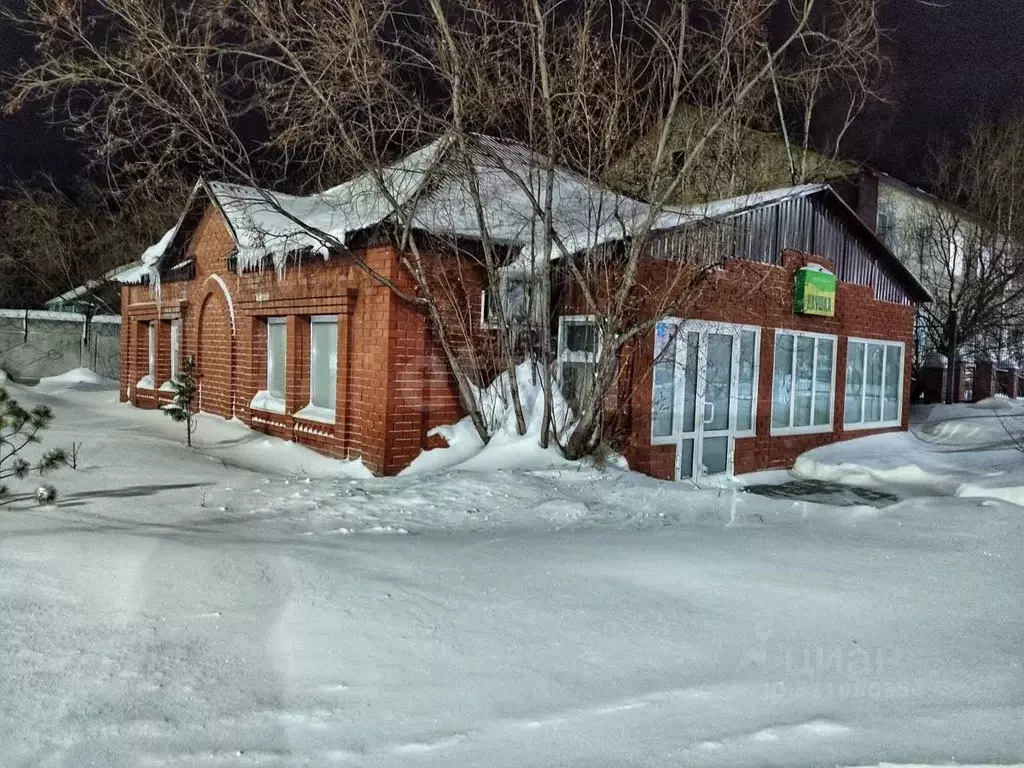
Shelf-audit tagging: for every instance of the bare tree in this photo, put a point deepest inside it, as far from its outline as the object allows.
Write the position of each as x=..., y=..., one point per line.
x=967, y=244
x=299, y=95
x=53, y=241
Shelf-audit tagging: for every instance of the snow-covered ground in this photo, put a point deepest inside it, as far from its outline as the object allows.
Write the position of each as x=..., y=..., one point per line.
x=251, y=603
x=965, y=450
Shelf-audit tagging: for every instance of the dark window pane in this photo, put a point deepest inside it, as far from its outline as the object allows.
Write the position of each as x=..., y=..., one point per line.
x=581, y=336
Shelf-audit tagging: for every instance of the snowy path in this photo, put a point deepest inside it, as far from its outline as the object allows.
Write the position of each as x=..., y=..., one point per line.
x=178, y=609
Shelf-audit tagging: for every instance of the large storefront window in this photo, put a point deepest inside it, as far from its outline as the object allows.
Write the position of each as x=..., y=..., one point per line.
x=874, y=384
x=803, y=383
x=747, y=390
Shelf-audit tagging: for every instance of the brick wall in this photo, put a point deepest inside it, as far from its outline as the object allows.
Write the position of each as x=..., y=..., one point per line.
x=393, y=384
x=762, y=295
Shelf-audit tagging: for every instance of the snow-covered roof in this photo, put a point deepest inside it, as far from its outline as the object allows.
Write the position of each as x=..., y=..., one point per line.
x=115, y=275
x=719, y=209
x=432, y=189
x=433, y=186
x=136, y=274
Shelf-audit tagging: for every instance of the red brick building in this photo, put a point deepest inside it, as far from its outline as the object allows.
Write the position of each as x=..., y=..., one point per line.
x=307, y=344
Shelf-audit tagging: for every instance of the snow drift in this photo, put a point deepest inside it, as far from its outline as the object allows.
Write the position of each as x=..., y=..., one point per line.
x=507, y=449
x=178, y=610
x=967, y=450
x=77, y=379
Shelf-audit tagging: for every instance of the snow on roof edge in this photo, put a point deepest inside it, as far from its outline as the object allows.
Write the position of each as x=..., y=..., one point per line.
x=266, y=223
x=68, y=317
x=729, y=206
x=111, y=275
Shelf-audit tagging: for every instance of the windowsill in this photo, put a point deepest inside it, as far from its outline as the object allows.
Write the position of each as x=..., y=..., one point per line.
x=796, y=431
x=264, y=401
x=492, y=324
x=864, y=426
x=167, y=386
x=316, y=413
x=146, y=382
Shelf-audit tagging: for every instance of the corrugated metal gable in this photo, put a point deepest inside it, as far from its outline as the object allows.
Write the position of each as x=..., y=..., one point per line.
x=812, y=223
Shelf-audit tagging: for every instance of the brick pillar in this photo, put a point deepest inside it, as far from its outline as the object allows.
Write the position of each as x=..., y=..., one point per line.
x=984, y=379
x=252, y=373
x=1008, y=382
x=127, y=356
x=960, y=382
x=344, y=375
x=933, y=384
x=297, y=364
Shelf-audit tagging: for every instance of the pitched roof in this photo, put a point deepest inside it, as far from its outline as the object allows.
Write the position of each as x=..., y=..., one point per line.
x=114, y=275
x=434, y=186
x=722, y=210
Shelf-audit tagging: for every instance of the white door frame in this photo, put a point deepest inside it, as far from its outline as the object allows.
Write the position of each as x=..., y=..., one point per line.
x=705, y=328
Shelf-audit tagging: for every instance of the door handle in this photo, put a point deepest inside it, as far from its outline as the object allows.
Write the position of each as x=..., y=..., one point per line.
x=711, y=418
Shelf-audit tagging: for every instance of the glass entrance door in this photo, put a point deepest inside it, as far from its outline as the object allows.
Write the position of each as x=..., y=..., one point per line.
x=704, y=390
x=715, y=373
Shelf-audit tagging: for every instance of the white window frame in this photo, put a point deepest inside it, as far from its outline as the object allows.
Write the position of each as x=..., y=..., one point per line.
x=564, y=355
x=272, y=321
x=319, y=412
x=684, y=326
x=151, y=336
x=175, y=349
x=864, y=425
x=487, y=298
x=734, y=406
x=813, y=429
x=149, y=380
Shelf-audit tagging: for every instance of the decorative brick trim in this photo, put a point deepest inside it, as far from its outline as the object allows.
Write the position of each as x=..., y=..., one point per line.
x=152, y=310
x=312, y=305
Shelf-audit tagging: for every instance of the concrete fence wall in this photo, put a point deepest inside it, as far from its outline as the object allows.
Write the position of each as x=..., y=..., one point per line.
x=35, y=344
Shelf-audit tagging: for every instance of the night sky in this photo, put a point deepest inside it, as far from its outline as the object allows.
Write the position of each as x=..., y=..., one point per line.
x=951, y=60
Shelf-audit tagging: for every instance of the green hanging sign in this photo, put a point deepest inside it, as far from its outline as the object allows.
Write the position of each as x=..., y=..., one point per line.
x=814, y=293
